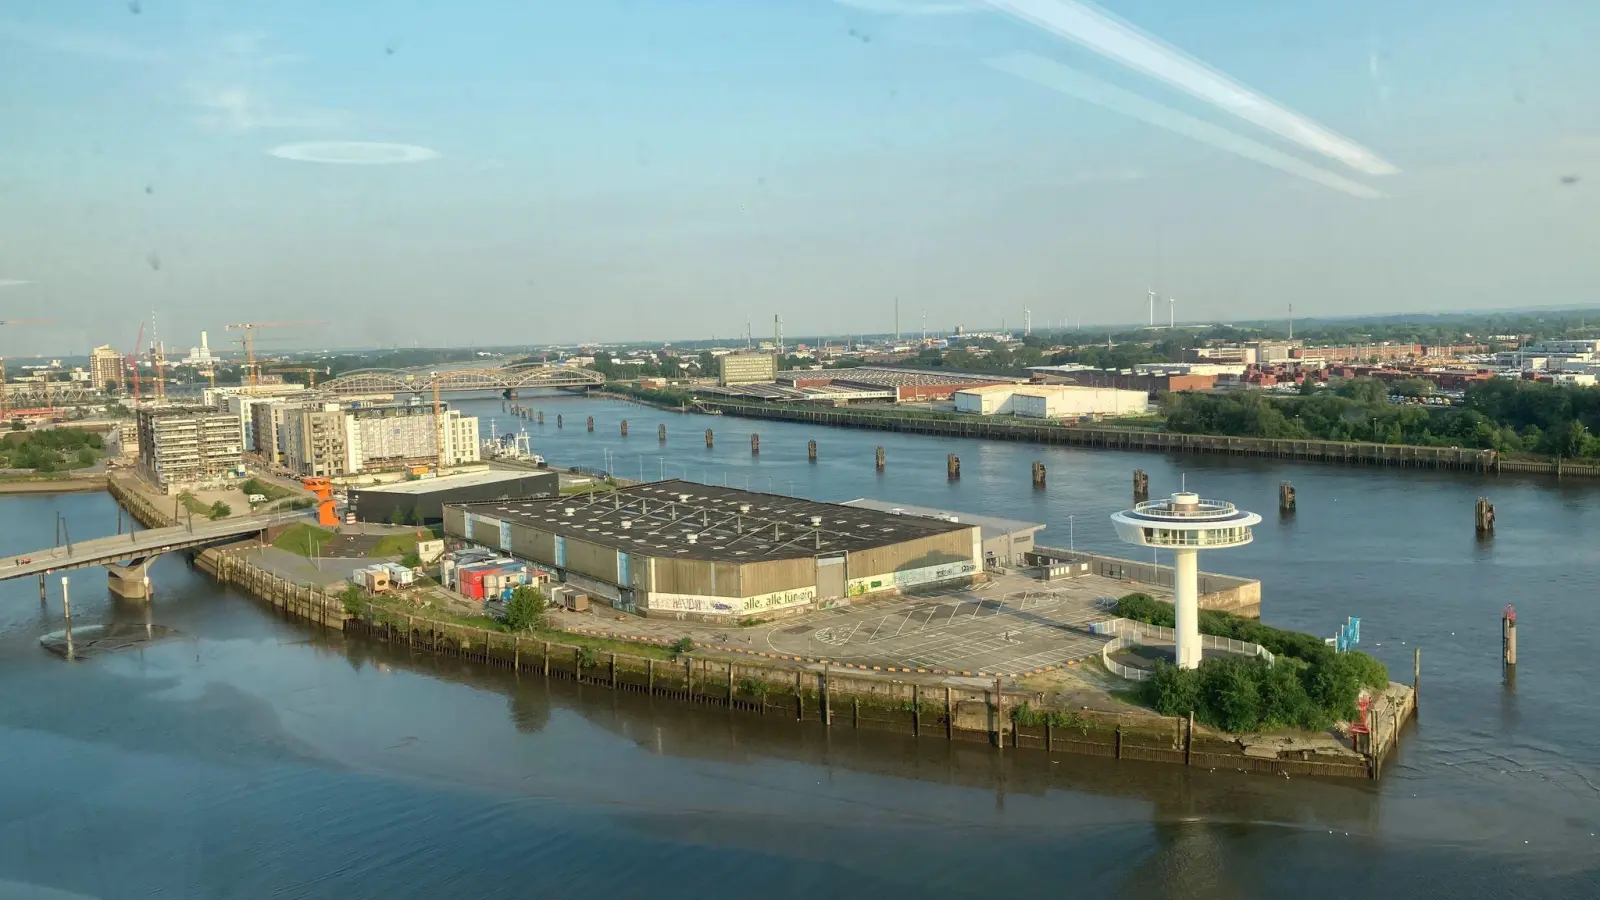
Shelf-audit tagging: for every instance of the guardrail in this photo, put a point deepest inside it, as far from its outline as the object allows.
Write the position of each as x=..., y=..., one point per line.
x=1133, y=633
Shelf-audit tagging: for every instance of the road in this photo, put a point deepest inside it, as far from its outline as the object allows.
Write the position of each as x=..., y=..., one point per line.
x=138, y=545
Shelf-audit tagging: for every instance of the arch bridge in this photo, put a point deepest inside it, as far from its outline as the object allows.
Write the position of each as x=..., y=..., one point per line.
x=508, y=378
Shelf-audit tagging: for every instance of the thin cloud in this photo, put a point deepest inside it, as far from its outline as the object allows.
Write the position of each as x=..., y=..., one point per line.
x=1097, y=30
x=1085, y=87
x=915, y=7
x=79, y=43
x=12, y=282
x=241, y=109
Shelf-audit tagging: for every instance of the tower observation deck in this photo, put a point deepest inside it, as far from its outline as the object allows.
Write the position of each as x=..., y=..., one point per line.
x=1186, y=524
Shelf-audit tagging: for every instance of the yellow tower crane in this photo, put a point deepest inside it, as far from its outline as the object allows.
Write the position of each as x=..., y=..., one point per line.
x=249, y=329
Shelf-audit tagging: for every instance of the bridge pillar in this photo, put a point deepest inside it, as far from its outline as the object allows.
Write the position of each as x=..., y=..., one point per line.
x=130, y=582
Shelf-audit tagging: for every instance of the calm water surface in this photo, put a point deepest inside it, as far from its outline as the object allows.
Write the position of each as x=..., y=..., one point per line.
x=255, y=757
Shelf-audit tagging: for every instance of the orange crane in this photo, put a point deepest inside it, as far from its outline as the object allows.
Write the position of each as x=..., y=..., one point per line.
x=249, y=329
x=133, y=361
x=4, y=399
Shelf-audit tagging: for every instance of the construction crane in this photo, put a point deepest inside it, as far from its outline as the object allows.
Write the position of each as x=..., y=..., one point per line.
x=160, y=353
x=310, y=373
x=4, y=397
x=133, y=361
x=438, y=423
x=249, y=329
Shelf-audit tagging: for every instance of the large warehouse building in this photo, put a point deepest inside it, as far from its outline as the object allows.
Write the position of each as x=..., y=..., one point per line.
x=1050, y=401
x=421, y=502
x=693, y=551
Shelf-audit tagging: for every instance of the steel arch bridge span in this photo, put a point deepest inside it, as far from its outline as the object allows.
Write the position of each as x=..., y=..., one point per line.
x=396, y=381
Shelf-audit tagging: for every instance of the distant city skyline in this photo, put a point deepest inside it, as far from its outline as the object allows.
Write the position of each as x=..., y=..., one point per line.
x=613, y=171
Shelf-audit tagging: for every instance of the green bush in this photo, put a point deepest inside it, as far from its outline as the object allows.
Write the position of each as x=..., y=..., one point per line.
x=354, y=603
x=681, y=646
x=586, y=658
x=1172, y=691
x=219, y=510
x=1309, y=685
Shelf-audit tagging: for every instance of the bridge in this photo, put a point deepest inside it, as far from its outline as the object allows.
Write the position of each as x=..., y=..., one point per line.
x=126, y=556
x=505, y=378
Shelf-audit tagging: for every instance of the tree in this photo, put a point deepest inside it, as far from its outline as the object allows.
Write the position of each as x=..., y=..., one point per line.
x=85, y=457
x=525, y=610
x=396, y=517
x=415, y=517
x=17, y=425
x=219, y=510
x=354, y=603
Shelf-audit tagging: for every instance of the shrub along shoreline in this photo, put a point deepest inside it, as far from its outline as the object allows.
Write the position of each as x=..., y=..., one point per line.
x=1310, y=685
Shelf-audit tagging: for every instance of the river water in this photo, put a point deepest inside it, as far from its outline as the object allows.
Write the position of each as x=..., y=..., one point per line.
x=251, y=756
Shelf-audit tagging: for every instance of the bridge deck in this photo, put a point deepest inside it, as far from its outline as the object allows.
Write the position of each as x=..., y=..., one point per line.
x=138, y=545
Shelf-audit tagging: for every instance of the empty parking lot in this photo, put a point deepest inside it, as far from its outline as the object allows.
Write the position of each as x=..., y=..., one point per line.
x=1010, y=624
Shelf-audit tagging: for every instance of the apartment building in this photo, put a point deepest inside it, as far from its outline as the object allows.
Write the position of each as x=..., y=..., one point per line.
x=181, y=446
x=106, y=371
x=389, y=435
x=314, y=440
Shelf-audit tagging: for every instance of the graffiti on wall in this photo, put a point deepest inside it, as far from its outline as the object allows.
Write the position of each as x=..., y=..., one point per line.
x=760, y=603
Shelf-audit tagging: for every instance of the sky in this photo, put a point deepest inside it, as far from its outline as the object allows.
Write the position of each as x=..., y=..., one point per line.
x=492, y=172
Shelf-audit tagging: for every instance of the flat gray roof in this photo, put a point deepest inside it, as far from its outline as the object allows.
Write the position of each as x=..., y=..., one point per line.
x=660, y=522
x=449, y=482
x=991, y=526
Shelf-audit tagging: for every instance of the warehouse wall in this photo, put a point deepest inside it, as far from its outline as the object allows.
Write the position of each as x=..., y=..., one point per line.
x=593, y=560
x=772, y=576
x=694, y=577
x=940, y=557
x=532, y=543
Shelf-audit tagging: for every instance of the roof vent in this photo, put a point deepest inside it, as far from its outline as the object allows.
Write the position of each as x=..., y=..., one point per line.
x=692, y=538
x=816, y=521
x=568, y=512
x=744, y=507
x=683, y=498
x=626, y=524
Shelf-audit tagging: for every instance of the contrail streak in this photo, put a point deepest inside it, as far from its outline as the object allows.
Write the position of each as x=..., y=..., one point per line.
x=1070, y=81
x=1097, y=30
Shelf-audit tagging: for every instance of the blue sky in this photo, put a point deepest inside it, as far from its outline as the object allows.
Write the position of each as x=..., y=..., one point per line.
x=629, y=169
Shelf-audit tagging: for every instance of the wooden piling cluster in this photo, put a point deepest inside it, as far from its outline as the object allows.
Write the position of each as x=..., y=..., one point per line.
x=1484, y=516
x=811, y=451
x=558, y=420
x=952, y=467
x=591, y=423
x=1285, y=497
x=1038, y=474
x=755, y=444
x=661, y=432
x=879, y=458
x=624, y=427
x=1141, y=485
x=708, y=439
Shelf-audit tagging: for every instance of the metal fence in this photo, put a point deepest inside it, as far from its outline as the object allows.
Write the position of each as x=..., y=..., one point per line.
x=1133, y=633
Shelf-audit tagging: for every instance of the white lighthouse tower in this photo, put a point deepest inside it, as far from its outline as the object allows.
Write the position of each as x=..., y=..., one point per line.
x=1186, y=524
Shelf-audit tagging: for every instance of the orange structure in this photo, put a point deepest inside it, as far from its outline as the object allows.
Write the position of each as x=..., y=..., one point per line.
x=322, y=489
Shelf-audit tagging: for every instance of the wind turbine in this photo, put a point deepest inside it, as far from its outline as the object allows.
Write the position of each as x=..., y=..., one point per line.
x=1152, y=309
x=1172, y=313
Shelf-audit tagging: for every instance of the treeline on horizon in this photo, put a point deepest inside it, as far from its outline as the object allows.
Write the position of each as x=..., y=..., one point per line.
x=1507, y=415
